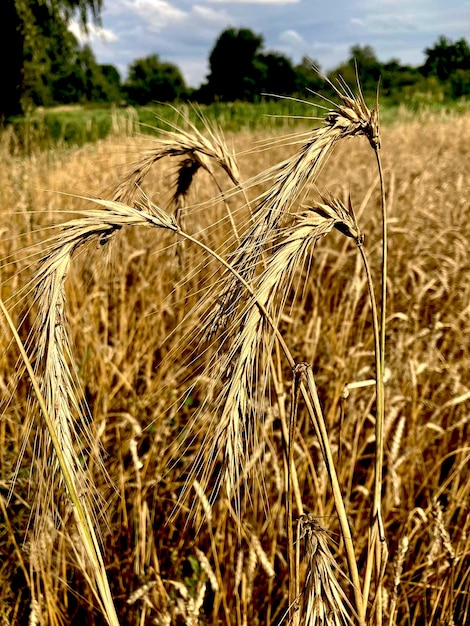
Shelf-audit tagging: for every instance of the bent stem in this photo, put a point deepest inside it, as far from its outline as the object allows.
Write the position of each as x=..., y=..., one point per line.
x=121, y=215
x=82, y=515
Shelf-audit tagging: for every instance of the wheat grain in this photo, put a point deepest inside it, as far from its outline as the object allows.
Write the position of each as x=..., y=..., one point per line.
x=323, y=601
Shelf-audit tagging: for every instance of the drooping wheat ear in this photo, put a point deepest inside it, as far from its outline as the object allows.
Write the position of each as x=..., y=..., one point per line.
x=350, y=118
x=323, y=601
x=65, y=431
x=195, y=149
x=235, y=435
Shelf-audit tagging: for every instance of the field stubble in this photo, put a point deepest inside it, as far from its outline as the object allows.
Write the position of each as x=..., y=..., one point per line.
x=132, y=307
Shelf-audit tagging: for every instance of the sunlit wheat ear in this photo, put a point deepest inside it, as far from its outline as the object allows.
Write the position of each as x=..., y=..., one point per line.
x=63, y=429
x=50, y=348
x=323, y=601
x=239, y=403
x=441, y=538
x=354, y=113
x=350, y=118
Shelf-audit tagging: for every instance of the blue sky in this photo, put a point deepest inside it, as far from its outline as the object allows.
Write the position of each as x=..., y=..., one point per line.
x=184, y=31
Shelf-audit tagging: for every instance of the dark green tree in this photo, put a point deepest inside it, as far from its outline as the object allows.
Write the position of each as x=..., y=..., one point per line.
x=279, y=76
x=23, y=26
x=51, y=72
x=445, y=58
x=460, y=83
x=150, y=80
x=112, y=82
x=363, y=65
x=396, y=78
x=308, y=80
x=236, y=71
x=96, y=86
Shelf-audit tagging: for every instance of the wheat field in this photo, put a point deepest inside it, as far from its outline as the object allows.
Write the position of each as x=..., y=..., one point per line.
x=188, y=432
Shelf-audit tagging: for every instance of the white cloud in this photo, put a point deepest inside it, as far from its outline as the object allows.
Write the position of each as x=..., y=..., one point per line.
x=158, y=14
x=387, y=22
x=195, y=71
x=292, y=38
x=95, y=34
x=232, y=2
x=357, y=21
x=209, y=16
x=399, y=17
x=116, y=7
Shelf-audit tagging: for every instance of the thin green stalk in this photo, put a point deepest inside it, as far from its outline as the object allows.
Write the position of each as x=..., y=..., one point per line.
x=377, y=527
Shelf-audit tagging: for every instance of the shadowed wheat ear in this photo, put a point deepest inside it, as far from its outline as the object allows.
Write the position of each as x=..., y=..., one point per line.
x=195, y=149
x=322, y=601
x=350, y=118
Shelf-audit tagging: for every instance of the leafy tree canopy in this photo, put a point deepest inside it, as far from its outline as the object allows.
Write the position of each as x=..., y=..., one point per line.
x=449, y=62
x=25, y=26
x=446, y=57
x=279, y=76
x=241, y=70
x=153, y=80
x=235, y=71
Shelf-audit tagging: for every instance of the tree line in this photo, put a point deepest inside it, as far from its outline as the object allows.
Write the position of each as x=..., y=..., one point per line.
x=47, y=66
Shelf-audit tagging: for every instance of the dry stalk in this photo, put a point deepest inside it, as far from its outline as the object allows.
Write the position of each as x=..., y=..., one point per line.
x=398, y=569
x=80, y=503
x=234, y=435
x=53, y=380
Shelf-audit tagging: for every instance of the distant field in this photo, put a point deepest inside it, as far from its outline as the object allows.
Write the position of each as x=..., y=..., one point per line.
x=77, y=125
x=134, y=323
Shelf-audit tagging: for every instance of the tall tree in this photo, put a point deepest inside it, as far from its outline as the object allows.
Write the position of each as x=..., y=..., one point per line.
x=236, y=72
x=21, y=23
x=279, y=76
x=446, y=57
x=113, y=82
x=151, y=79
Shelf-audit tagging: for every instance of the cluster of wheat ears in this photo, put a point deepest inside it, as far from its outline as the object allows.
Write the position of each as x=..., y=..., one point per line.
x=248, y=437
